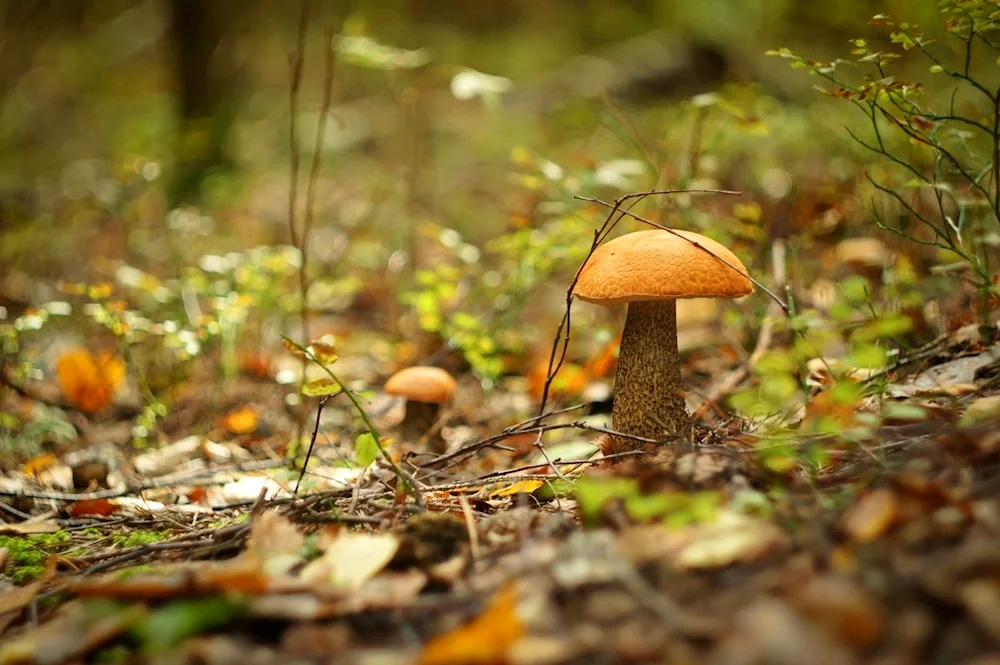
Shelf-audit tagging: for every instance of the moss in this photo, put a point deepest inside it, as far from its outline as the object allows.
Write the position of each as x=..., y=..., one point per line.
x=138, y=538
x=26, y=555
x=141, y=569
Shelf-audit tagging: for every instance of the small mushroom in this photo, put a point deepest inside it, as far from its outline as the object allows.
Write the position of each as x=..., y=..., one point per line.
x=425, y=390
x=650, y=270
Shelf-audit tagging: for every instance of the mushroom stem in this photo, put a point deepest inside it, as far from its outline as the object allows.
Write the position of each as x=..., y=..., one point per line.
x=648, y=400
x=418, y=420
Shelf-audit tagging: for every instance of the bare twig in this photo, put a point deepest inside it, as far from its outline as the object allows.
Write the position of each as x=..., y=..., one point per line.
x=312, y=443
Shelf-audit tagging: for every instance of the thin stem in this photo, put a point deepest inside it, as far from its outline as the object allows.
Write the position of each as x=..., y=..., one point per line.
x=408, y=483
x=312, y=443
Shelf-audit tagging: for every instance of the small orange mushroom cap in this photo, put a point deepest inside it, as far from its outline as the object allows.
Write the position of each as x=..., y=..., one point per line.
x=432, y=385
x=658, y=264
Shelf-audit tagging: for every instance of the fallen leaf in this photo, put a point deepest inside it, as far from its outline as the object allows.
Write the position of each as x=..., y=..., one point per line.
x=352, y=559
x=568, y=382
x=29, y=528
x=485, y=639
x=88, y=382
x=275, y=542
x=604, y=361
x=981, y=410
x=101, y=507
x=870, y=516
x=37, y=464
x=240, y=421
x=520, y=487
x=948, y=390
x=732, y=537
x=842, y=608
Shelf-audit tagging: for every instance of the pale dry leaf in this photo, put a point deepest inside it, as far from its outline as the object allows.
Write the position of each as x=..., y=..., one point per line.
x=276, y=542
x=352, y=559
x=731, y=538
x=871, y=515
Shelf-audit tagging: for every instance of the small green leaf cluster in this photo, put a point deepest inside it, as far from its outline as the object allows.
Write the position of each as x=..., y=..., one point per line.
x=947, y=145
x=367, y=446
x=674, y=509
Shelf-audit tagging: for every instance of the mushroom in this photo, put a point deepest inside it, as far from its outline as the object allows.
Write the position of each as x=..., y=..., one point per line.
x=650, y=270
x=425, y=390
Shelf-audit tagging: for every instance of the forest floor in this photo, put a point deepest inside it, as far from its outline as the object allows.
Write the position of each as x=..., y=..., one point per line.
x=696, y=551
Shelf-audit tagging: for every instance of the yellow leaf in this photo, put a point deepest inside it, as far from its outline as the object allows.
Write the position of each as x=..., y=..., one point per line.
x=520, y=487
x=483, y=640
x=240, y=421
x=88, y=382
x=36, y=465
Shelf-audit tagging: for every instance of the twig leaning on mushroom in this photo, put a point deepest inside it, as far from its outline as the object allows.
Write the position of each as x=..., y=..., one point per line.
x=649, y=271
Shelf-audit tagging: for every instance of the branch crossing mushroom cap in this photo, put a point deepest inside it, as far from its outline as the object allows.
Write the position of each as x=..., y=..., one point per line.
x=658, y=264
x=431, y=385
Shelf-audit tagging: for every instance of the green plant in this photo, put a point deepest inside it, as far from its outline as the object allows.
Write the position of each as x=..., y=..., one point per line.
x=368, y=444
x=944, y=150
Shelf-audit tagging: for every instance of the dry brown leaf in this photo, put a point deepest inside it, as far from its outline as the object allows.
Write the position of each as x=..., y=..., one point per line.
x=871, y=515
x=484, y=640
x=275, y=543
x=88, y=382
x=948, y=390
x=842, y=608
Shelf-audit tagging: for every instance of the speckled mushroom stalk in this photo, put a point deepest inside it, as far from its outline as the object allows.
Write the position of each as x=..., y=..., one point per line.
x=649, y=401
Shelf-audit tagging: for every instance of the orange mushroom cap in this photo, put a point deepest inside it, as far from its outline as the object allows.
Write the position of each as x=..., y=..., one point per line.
x=432, y=385
x=658, y=264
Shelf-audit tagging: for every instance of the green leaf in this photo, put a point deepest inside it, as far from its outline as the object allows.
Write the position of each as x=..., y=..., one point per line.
x=366, y=448
x=937, y=69
x=867, y=356
x=593, y=493
x=320, y=388
x=856, y=288
x=179, y=620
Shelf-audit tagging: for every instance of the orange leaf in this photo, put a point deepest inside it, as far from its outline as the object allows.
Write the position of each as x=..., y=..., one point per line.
x=36, y=465
x=605, y=361
x=569, y=381
x=483, y=640
x=101, y=507
x=240, y=421
x=255, y=365
x=520, y=487
x=88, y=382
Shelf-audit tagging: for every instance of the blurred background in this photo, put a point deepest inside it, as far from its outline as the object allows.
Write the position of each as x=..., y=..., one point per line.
x=147, y=143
